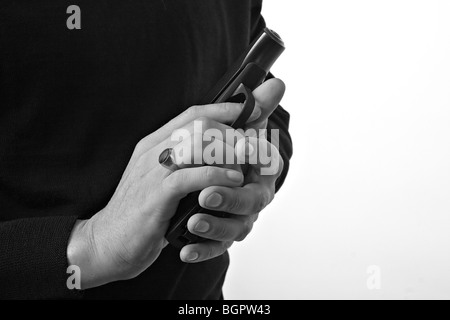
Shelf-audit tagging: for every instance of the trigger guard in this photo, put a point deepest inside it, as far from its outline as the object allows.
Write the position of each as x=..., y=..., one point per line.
x=243, y=95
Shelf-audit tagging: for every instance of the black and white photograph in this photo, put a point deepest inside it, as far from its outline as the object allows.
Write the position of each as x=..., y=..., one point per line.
x=224, y=155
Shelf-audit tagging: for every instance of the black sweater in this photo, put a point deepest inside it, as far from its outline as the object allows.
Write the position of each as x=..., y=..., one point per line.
x=74, y=103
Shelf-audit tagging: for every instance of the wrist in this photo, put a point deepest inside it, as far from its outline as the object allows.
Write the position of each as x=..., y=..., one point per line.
x=81, y=252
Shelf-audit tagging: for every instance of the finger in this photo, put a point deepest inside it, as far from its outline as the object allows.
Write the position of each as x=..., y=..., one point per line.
x=221, y=229
x=182, y=182
x=268, y=97
x=204, y=135
x=197, y=151
x=225, y=113
x=247, y=200
x=261, y=155
x=189, y=154
x=204, y=251
x=209, y=128
x=206, y=128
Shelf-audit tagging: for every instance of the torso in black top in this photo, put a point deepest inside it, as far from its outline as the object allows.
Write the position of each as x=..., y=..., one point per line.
x=74, y=103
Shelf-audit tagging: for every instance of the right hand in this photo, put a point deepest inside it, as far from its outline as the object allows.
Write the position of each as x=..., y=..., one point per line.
x=127, y=236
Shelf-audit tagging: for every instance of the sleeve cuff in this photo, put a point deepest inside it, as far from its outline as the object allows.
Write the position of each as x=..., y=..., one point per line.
x=33, y=260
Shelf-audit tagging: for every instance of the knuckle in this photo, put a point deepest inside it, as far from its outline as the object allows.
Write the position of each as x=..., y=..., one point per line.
x=235, y=205
x=261, y=202
x=189, y=129
x=271, y=195
x=140, y=161
x=226, y=245
x=210, y=252
x=193, y=111
x=205, y=121
x=210, y=173
x=230, y=107
x=220, y=232
x=140, y=147
x=246, y=229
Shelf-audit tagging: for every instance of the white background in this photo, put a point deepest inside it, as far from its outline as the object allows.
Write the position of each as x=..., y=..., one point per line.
x=369, y=97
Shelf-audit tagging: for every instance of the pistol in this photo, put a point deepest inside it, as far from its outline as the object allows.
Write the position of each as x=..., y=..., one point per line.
x=237, y=85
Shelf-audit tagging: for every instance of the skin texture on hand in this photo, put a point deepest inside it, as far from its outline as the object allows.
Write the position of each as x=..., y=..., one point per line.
x=127, y=236
x=244, y=202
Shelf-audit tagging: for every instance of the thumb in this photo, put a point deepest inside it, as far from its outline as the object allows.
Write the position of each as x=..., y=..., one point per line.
x=268, y=97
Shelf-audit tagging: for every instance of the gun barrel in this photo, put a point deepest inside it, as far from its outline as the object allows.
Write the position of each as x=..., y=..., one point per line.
x=266, y=50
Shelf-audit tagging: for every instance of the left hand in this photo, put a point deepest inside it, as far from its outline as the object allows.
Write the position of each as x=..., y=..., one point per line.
x=245, y=203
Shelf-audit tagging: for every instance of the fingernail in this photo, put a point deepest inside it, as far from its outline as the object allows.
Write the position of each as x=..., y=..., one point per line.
x=192, y=256
x=214, y=200
x=255, y=115
x=234, y=176
x=202, y=226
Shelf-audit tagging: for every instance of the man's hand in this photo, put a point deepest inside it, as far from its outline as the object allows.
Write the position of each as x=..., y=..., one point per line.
x=127, y=236
x=244, y=202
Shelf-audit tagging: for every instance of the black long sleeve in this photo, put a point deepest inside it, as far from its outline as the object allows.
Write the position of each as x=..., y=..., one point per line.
x=34, y=260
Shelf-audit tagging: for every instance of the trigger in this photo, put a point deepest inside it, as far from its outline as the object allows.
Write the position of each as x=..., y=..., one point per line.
x=243, y=95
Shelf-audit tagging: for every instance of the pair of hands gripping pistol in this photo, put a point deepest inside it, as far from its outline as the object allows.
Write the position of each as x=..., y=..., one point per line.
x=237, y=85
